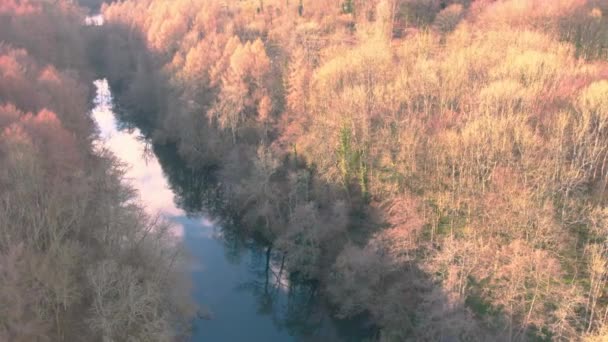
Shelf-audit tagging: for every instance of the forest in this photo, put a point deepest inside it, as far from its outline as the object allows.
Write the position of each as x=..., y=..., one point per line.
x=439, y=166
x=79, y=259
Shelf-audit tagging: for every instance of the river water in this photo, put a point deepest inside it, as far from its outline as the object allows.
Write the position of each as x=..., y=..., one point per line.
x=246, y=292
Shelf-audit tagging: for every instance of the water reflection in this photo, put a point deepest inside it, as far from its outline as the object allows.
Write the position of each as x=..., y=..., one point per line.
x=250, y=294
x=144, y=172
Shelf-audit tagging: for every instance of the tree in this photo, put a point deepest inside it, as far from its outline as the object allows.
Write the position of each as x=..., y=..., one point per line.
x=242, y=87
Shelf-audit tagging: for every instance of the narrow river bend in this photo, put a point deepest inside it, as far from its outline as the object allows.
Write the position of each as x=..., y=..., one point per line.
x=247, y=296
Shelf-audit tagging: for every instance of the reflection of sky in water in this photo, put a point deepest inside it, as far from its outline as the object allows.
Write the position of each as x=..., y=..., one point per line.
x=143, y=170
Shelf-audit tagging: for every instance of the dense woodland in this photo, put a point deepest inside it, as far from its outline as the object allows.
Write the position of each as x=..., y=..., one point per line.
x=79, y=259
x=440, y=166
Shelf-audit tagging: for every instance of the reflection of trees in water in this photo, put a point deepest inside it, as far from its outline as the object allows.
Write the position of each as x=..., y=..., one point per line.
x=294, y=303
x=195, y=189
x=235, y=246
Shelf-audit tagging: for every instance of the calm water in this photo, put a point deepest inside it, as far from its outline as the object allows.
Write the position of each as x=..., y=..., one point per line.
x=250, y=297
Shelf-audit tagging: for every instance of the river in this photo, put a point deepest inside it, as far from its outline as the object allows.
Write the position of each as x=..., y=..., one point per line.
x=245, y=292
